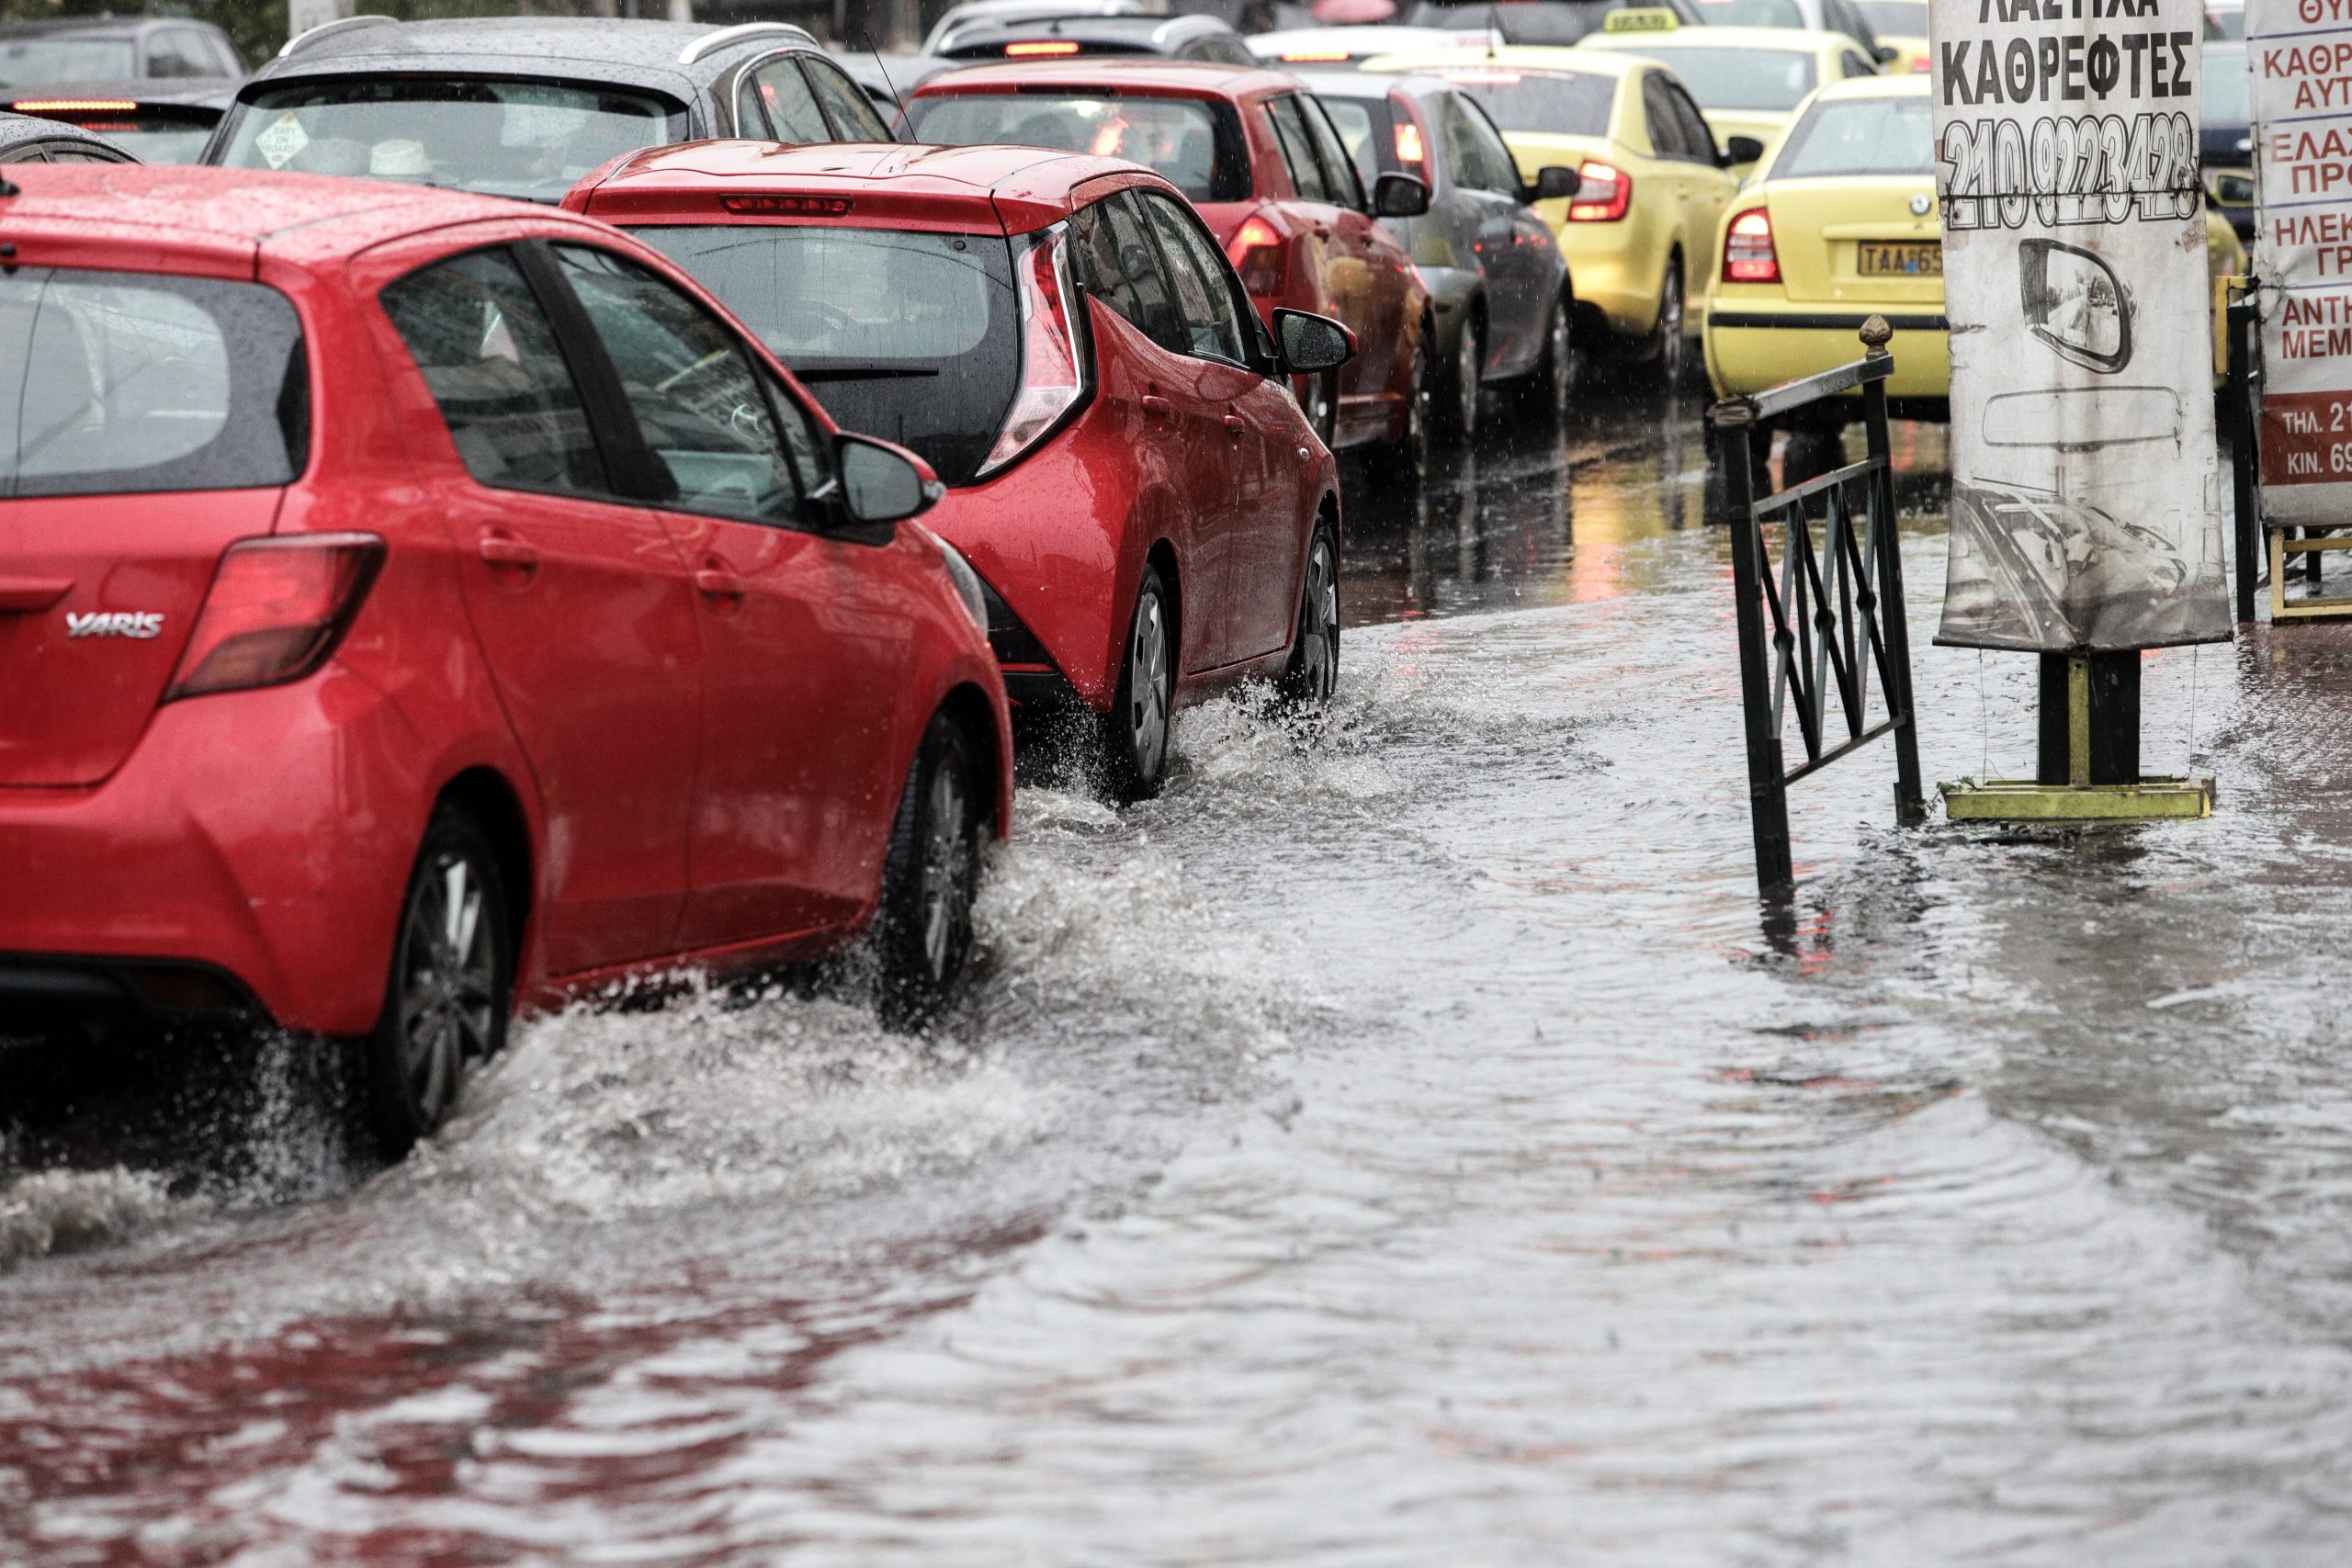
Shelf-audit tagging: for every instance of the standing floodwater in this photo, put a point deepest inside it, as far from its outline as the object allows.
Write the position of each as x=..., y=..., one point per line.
x=1398, y=1145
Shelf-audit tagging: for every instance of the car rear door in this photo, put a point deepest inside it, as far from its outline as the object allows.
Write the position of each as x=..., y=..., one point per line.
x=1329, y=253
x=580, y=600
x=804, y=650
x=147, y=422
x=1711, y=186
x=1263, y=547
x=1517, y=305
x=1372, y=379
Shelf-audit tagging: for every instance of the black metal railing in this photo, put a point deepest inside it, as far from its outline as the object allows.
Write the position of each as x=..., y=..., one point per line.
x=1833, y=605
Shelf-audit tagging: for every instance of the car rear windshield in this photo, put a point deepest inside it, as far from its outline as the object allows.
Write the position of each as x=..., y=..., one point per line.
x=25, y=61
x=1859, y=136
x=1750, y=14
x=1546, y=103
x=1524, y=21
x=121, y=381
x=1773, y=80
x=151, y=138
x=1196, y=142
x=532, y=139
x=1368, y=132
x=1895, y=18
x=913, y=337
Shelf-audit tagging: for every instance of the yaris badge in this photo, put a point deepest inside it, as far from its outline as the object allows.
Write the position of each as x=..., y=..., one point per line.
x=114, y=623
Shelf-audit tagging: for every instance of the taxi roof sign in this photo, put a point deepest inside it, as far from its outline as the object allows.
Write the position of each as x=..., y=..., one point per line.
x=1640, y=19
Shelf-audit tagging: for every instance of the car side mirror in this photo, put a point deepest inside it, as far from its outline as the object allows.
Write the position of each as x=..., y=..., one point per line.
x=1399, y=196
x=882, y=483
x=1554, y=182
x=1738, y=150
x=1311, y=343
x=1886, y=54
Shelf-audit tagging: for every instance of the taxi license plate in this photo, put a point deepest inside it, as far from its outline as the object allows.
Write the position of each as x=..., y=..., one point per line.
x=1924, y=260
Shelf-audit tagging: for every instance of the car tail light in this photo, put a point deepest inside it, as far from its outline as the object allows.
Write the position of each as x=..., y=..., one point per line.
x=1313, y=56
x=1052, y=378
x=1256, y=252
x=276, y=610
x=1603, y=193
x=1748, y=256
x=1921, y=65
x=1031, y=51
x=1409, y=149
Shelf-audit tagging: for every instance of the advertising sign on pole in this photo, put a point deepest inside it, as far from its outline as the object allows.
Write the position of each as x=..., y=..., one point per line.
x=2299, y=52
x=2085, y=505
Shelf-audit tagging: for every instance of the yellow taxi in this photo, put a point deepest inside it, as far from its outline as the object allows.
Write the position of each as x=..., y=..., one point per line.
x=1748, y=81
x=1639, y=235
x=1839, y=224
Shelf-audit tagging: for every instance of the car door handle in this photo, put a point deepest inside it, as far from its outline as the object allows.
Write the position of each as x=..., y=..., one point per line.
x=28, y=595
x=1158, y=407
x=1235, y=425
x=500, y=549
x=712, y=583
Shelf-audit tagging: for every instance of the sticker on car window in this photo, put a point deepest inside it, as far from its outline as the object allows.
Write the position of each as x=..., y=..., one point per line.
x=283, y=140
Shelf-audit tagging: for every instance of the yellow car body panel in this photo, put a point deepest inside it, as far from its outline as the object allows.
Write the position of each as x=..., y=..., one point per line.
x=1827, y=50
x=1757, y=335
x=1912, y=57
x=1617, y=267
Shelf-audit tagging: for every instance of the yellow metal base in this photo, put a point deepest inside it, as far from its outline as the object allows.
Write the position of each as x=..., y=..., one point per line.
x=2023, y=800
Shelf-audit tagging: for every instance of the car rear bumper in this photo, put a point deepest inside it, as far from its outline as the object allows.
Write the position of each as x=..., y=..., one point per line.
x=1752, y=347
x=256, y=843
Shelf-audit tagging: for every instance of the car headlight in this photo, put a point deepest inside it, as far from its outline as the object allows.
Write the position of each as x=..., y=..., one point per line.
x=966, y=581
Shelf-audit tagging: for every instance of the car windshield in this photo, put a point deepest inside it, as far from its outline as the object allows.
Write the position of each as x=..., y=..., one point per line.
x=1553, y=102
x=1895, y=18
x=113, y=382
x=1859, y=136
x=1750, y=14
x=2229, y=88
x=913, y=337
x=25, y=61
x=1520, y=21
x=1774, y=80
x=532, y=139
x=1195, y=142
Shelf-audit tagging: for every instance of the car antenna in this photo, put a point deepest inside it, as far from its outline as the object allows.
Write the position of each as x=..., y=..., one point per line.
x=895, y=120
x=1494, y=27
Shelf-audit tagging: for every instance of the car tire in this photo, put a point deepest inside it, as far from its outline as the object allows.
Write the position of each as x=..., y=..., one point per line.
x=1407, y=457
x=1135, y=733
x=1545, y=396
x=1457, y=398
x=922, y=928
x=451, y=984
x=1666, y=350
x=1312, y=673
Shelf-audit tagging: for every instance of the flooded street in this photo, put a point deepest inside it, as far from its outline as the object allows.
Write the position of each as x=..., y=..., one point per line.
x=1401, y=1143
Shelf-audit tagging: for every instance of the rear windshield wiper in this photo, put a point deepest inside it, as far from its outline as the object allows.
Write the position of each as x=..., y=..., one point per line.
x=862, y=372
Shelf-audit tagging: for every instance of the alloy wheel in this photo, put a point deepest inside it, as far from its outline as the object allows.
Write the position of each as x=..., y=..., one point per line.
x=1318, y=625
x=447, y=997
x=1469, y=359
x=1149, y=688
x=1671, y=345
x=1565, y=371
x=947, y=870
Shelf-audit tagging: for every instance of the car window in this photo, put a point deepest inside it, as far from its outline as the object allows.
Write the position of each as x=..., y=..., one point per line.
x=1196, y=143
x=1204, y=286
x=1904, y=18
x=1696, y=133
x=178, y=53
x=804, y=440
x=1859, y=136
x=1746, y=77
x=114, y=382
x=1297, y=148
x=1842, y=17
x=1487, y=144
x=1338, y=170
x=493, y=365
x=1364, y=127
x=24, y=152
x=1550, y=103
x=698, y=405
x=845, y=102
x=1755, y=14
x=780, y=94
x=1119, y=263
x=1855, y=65
x=1657, y=113
x=28, y=61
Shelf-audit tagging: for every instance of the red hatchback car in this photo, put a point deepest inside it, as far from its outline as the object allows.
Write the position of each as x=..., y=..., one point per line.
x=1062, y=341
x=1254, y=151
x=414, y=603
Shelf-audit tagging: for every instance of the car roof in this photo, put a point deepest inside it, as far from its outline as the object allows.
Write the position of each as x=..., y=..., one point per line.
x=1371, y=83
x=1018, y=188
x=1909, y=85
x=1154, y=30
x=1200, y=78
x=99, y=26
x=1789, y=40
x=527, y=45
x=1525, y=56
x=230, y=214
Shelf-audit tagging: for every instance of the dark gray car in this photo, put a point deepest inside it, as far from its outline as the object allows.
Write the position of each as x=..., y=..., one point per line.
x=1172, y=38
x=1501, y=289
x=28, y=139
x=36, y=54
x=525, y=106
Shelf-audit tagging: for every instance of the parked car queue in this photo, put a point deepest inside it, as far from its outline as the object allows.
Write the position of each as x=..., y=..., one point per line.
x=425, y=605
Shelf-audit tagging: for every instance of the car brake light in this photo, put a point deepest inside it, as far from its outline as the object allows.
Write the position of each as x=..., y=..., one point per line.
x=73, y=106
x=1027, y=50
x=1408, y=143
x=1052, y=381
x=1921, y=65
x=276, y=608
x=798, y=206
x=1748, y=256
x=1313, y=56
x=1256, y=252
x=1603, y=193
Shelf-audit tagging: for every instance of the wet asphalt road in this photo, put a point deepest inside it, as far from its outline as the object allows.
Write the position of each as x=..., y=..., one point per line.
x=1401, y=1144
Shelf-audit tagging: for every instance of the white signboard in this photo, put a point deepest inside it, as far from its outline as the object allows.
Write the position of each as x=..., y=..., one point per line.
x=2300, y=55
x=2086, y=506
